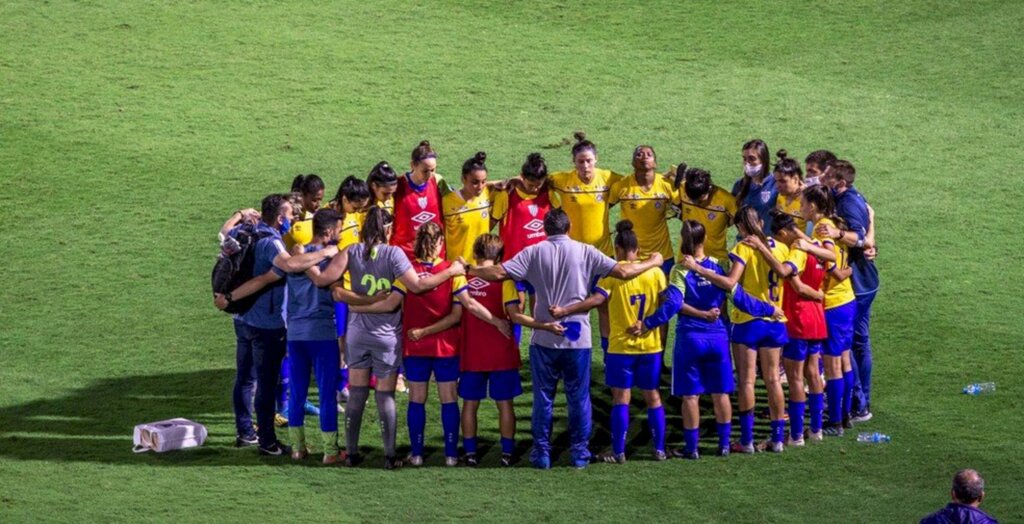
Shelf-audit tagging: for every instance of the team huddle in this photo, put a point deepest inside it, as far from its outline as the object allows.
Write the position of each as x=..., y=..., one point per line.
x=403, y=275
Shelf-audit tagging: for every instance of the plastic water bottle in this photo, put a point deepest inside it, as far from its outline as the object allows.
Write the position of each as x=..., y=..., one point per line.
x=873, y=438
x=979, y=388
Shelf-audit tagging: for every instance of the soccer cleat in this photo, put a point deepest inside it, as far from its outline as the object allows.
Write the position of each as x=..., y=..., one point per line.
x=506, y=460
x=334, y=460
x=543, y=462
x=723, y=451
x=609, y=457
x=814, y=437
x=414, y=460
x=451, y=462
x=796, y=443
x=775, y=447
x=847, y=423
x=863, y=415
x=354, y=459
x=391, y=463
x=471, y=459
x=300, y=453
x=833, y=430
x=242, y=441
x=660, y=455
x=280, y=420
x=275, y=450
x=311, y=409
x=746, y=449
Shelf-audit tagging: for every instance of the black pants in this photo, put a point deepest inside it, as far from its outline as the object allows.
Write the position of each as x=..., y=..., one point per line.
x=268, y=347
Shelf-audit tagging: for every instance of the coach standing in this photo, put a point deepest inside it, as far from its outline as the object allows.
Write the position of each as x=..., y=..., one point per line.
x=858, y=235
x=561, y=270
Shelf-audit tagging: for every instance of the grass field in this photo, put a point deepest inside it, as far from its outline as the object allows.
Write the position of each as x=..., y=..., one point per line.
x=130, y=130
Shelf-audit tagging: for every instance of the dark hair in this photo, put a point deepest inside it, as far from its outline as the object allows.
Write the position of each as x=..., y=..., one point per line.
x=426, y=238
x=476, y=163
x=488, y=247
x=696, y=183
x=787, y=167
x=556, y=222
x=270, y=208
x=691, y=235
x=781, y=221
x=747, y=218
x=763, y=155
x=843, y=170
x=353, y=189
x=422, y=152
x=625, y=237
x=821, y=158
x=382, y=175
x=822, y=199
x=323, y=220
x=582, y=144
x=640, y=147
x=307, y=184
x=535, y=168
x=374, y=230
x=968, y=486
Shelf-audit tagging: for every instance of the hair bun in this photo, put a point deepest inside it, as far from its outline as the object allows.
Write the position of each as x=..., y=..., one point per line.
x=480, y=157
x=579, y=136
x=534, y=158
x=782, y=154
x=623, y=226
x=424, y=143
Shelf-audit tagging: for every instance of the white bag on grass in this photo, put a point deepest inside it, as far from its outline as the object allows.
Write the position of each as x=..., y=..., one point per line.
x=167, y=435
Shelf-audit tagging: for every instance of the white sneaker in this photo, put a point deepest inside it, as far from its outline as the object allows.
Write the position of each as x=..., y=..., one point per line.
x=798, y=443
x=451, y=462
x=814, y=437
x=414, y=460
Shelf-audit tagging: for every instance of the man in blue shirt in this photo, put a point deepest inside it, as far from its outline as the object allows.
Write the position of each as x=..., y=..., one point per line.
x=858, y=235
x=967, y=493
x=260, y=331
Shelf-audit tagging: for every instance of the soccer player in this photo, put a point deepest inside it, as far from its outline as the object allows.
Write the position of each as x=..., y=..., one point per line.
x=418, y=198
x=431, y=341
x=840, y=310
x=373, y=342
x=310, y=192
x=489, y=360
x=712, y=206
x=383, y=183
x=467, y=212
x=646, y=200
x=755, y=338
x=701, y=362
x=633, y=359
x=789, y=179
x=756, y=188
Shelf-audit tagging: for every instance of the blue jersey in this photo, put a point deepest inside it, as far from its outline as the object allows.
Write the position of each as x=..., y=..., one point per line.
x=310, y=308
x=760, y=197
x=853, y=209
x=265, y=312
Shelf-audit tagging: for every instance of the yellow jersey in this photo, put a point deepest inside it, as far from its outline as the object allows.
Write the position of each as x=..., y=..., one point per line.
x=388, y=205
x=464, y=221
x=837, y=292
x=300, y=233
x=350, y=228
x=649, y=210
x=716, y=216
x=587, y=205
x=758, y=279
x=629, y=301
x=791, y=207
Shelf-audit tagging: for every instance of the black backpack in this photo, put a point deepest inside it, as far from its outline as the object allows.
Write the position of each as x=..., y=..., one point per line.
x=235, y=266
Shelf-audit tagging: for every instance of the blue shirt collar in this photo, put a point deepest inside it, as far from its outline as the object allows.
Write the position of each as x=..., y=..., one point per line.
x=419, y=188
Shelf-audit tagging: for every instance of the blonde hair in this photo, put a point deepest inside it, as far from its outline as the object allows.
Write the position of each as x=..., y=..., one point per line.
x=426, y=241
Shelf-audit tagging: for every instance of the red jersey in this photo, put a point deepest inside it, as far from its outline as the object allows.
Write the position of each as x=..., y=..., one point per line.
x=415, y=206
x=424, y=309
x=806, y=316
x=484, y=348
x=523, y=223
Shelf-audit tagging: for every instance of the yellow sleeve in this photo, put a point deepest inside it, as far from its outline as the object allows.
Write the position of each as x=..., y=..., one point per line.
x=742, y=252
x=798, y=258
x=606, y=285
x=499, y=205
x=459, y=283
x=660, y=280
x=399, y=286
x=614, y=178
x=509, y=293
x=729, y=203
x=555, y=198
x=613, y=194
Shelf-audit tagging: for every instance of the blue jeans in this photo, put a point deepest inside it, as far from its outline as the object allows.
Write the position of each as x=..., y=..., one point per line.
x=548, y=365
x=244, y=390
x=861, y=354
x=264, y=348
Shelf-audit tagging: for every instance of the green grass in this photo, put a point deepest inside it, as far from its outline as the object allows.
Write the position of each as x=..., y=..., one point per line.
x=128, y=131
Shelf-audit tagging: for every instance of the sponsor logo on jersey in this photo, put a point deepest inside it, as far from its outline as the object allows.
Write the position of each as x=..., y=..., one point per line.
x=422, y=201
x=534, y=225
x=712, y=215
x=422, y=218
x=477, y=283
x=765, y=196
x=533, y=209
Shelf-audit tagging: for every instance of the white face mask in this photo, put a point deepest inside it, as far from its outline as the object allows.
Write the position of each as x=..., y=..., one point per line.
x=812, y=181
x=750, y=170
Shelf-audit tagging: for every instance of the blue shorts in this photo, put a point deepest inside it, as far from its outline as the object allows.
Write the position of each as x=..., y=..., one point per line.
x=701, y=363
x=760, y=333
x=418, y=369
x=504, y=385
x=625, y=371
x=839, y=321
x=667, y=266
x=799, y=349
x=341, y=318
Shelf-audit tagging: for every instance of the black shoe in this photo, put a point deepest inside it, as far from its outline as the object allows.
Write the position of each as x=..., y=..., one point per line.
x=242, y=441
x=471, y=459
x=506, y=460
x=391, y=463
x=274, y=450
x=833, y=430
x=353, y=459
x=847, y=423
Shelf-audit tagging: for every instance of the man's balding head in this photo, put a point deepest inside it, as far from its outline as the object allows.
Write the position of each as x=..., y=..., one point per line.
x=968, y=487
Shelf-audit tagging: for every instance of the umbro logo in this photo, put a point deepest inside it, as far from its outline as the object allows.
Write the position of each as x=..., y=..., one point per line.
x=423, y=217
x=534, y=225
x=477, y=283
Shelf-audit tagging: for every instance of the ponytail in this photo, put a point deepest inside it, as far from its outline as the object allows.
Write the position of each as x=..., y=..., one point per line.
x=535, y=168
x=582, y=144
x=625, y=237
x=426, y=241
x=307, y=184
x=747, y=219
x=691, y=236
x=375, y=230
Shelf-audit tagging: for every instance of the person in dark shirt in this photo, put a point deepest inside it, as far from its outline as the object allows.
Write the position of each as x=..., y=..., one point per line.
x=967, y=493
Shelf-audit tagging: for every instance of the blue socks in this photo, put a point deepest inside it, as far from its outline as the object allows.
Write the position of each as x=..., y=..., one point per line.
x=416, y=418
x=847, y=392
x=620, y=425
x=508, y=445
x=450, y=426
x=342, y=379
x=796, y=419
x=778, y=430
x=690, y=437
x=469, y=444
x=816, y=403
x=604, y=345
x=724, y=432
x=656, y=420
x=834, y=389
x=747, y=427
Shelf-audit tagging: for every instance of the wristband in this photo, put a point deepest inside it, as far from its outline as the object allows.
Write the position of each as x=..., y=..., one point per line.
x=227, y=296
